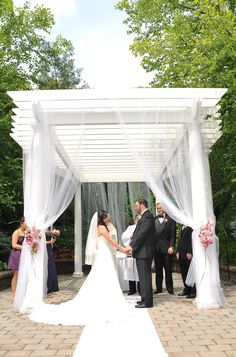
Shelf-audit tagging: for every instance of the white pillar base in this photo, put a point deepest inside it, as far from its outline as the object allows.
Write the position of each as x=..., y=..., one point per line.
x=78, y=275
x=203, y=306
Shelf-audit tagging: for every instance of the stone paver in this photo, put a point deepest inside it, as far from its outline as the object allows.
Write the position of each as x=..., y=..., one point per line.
x=184, y=330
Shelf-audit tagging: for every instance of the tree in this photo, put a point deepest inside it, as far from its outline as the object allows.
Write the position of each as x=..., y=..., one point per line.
x=19, y=39
x=192, y=43
x=20, y=32
x=183, y=42
x=55, y=67
x=22, y=50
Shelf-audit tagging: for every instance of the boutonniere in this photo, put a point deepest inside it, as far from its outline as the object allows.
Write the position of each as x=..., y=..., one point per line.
x=166, y=220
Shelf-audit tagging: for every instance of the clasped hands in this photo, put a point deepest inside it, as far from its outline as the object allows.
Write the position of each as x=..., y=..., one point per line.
x=128, y=250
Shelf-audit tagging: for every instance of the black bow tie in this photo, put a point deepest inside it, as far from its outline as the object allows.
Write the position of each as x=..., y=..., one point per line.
x=160, y=216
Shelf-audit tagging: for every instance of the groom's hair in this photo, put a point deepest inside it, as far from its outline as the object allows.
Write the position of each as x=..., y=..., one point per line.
x=102, y=214
x=142, y=201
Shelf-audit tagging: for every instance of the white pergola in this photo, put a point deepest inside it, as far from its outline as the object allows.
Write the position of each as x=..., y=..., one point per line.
x=105, y=155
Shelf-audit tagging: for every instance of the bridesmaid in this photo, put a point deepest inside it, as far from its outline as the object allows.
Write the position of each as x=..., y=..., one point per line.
x=52, y=283
x=14, y=258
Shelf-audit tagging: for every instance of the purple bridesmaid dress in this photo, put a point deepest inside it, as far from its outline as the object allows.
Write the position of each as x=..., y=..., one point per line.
x=14, y=257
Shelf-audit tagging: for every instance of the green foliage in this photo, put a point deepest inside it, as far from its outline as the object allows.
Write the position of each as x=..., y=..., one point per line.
x=27, y=61
x=185, y=43
x=226, y=231
x=19, y=41
x=5, y=247
x=192, y=43
x=66, y=238
x=64, y=246
x=55, y=66
x=20, y=32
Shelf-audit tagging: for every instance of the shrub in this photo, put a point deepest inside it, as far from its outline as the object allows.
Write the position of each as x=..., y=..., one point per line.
x=5, y=247
x=64, y=253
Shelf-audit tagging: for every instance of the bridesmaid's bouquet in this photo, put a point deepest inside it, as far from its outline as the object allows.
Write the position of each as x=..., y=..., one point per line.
x=56, y=233
x=32, y=237
x=207, y=233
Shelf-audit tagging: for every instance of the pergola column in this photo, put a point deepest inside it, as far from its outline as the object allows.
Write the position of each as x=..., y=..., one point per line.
x=198, y=181
x=78, y=273
x=199, y=184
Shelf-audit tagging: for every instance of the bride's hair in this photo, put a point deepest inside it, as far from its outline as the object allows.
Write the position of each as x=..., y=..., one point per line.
x=102, y=214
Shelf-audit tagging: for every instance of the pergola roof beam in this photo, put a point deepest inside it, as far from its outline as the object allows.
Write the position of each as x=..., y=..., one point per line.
x=91, y=139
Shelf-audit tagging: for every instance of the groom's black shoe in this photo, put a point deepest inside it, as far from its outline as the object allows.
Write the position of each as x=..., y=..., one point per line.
x=191, y=296
x=143, y=306
x=139, y=302
x=183, y=293
x=157, y=291
x=132, y=292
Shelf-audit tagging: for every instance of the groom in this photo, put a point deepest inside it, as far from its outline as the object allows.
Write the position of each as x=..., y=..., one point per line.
x=142, y=248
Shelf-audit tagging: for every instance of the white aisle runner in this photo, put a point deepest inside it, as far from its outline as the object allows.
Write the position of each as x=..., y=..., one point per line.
x=135, y=337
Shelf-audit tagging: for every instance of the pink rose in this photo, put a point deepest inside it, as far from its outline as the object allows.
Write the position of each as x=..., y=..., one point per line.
x=56, y=232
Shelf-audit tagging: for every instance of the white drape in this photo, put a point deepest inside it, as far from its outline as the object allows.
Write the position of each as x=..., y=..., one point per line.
x=91, y=244
x=139, y=190
x=47, y=193
x=117, y=205
x=94, y=198
x=117, y=198
x=179, y=177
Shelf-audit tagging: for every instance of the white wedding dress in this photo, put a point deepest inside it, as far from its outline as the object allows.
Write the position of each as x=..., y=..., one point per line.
x=100, y=298
x=112, y=325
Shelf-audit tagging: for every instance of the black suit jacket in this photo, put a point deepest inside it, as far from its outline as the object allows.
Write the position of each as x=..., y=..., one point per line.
x=165, y=234
x=185, y=242
x=142, y=241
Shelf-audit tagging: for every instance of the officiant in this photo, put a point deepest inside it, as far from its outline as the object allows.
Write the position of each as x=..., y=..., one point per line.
x=130, y=269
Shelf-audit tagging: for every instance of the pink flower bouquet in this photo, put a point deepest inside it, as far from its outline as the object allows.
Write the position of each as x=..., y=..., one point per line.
x=207, y=233
x=56, y=233
x=32, y=237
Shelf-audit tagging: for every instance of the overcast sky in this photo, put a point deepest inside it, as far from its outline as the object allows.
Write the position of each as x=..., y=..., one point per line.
x=100, y=40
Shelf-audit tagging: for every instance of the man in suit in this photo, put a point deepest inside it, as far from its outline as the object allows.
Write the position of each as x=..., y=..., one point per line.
x=165, y=237
x=142, y=248
x=184, y=255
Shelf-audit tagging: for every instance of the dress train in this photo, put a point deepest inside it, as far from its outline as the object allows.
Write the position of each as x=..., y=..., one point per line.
x=112, y=325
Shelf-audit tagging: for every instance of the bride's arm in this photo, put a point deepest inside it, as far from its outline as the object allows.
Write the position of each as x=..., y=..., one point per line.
x=103, y=232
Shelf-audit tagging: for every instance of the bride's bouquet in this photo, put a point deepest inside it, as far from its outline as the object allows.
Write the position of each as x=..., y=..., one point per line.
x=32, y=237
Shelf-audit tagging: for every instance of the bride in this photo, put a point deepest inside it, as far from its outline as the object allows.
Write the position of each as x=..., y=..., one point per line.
x=101, y=306
x=100, y=297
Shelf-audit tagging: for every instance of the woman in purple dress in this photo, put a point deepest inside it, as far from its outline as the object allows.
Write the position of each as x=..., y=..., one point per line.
x=14, y=258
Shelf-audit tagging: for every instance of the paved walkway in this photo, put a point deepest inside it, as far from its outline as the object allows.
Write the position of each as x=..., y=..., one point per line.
x=184, y=330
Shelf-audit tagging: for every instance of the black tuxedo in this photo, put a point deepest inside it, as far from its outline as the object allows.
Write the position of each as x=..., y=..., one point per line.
x=165, y=237
x=143, y=250
x=185, y=242
x=185, y=247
